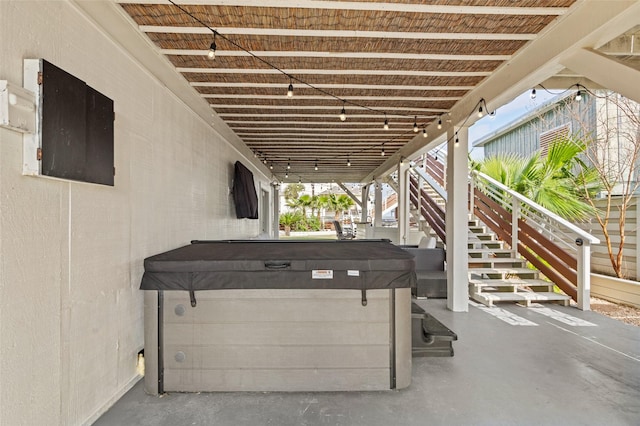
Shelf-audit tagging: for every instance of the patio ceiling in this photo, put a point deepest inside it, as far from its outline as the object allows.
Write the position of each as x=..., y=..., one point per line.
x=404, y=61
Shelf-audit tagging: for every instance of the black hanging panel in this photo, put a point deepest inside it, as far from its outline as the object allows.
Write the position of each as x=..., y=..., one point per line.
x=244, y=193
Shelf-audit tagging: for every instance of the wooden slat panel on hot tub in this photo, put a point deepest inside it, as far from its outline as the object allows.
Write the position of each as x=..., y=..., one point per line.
x=276, y=339
x=314, y=309
x=282, y=379
x=257, y=357
x=284, y=333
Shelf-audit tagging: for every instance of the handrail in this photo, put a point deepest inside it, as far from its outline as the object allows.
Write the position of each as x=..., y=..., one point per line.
x=440, y=190
x=575, y=229
x=556, y=247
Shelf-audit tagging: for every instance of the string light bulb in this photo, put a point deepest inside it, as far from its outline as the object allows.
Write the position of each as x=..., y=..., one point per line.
x=439, y=123
x=289, y=165
x=264, y=161
x=286, y=175
x=270, y=166
x=457, y=140
x=382, y=151
x=533, y=93
x=315, y=167
x=579, y=94
x=343, y=113
x=480, y=113
x=290, y=89
x=386, y=122
x=212, y=48
x=348, y=162
x=424, y=132
x=415, y=124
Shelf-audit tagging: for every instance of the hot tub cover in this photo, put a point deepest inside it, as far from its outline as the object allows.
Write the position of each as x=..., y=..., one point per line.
x=259, y=264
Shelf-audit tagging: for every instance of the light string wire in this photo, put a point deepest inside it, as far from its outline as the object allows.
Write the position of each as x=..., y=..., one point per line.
x=280, y=70
x=344, y=101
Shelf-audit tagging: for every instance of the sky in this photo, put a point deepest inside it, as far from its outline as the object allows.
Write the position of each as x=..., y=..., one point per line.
x=506, y=114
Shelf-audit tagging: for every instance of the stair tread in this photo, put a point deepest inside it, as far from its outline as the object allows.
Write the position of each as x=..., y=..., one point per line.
x=489, y=250
x=508, y=282
x=523, y=296
x=496, y=260
x=504, y=270
x=433, y=327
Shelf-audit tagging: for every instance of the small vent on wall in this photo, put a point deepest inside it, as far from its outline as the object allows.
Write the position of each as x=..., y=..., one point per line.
x=546, y=138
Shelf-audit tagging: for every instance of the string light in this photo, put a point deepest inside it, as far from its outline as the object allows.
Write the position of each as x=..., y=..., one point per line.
x=382, y=151
x=343, y=113
x=264, y=161
x=212, y=48
x=348, y=162
x=290, y=89
x=271, y=166
x=415, y=124
x=343, y=117
x=316, y=166
x=424, y=132
x=289, y=165
x=386, y=122
x=286, y=175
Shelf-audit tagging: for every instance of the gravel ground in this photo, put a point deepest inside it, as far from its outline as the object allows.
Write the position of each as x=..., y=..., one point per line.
x=622, y=313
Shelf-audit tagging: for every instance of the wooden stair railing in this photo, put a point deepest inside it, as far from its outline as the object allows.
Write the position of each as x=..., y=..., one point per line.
x=545, y=255
x=429, y=209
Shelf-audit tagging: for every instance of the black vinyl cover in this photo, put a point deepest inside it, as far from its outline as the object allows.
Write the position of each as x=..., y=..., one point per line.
x=244, y=193
x=210, y=265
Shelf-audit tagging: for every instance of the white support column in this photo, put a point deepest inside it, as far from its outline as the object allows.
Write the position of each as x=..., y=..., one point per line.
x=365, y=203
x=403, y=202
x=457, y=225
x=276, y=211
x=584, y=274
x=377, y=221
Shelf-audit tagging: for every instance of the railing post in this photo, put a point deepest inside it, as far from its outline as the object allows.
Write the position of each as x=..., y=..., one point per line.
x=515, y=215
x=419, y=197
x=584, y=274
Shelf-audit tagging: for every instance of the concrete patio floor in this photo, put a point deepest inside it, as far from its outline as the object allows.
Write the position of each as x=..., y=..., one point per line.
x=512, y=366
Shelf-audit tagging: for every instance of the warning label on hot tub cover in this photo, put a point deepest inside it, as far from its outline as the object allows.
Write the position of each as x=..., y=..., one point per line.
x=322, y=274
x=327, y=274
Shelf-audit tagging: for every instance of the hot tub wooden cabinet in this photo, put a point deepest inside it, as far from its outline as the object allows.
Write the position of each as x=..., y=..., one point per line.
x=278, y=316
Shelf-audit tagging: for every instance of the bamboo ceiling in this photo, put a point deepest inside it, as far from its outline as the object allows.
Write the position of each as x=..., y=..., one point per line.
x=404, y=60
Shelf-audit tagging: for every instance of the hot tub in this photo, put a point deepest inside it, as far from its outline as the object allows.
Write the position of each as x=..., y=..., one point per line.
x=278, y=316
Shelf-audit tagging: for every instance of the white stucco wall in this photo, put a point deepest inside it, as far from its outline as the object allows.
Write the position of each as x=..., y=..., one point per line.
x=70, y=253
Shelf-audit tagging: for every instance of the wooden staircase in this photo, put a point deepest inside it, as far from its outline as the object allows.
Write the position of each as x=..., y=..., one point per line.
x=497, y=274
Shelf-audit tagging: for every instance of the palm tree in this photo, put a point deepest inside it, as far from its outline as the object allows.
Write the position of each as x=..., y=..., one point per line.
x=319, y=202
x=288, y=219
x=554, y=182
x=295, y=204
x=339, y=203
x=293, y=190
x=306, y=201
